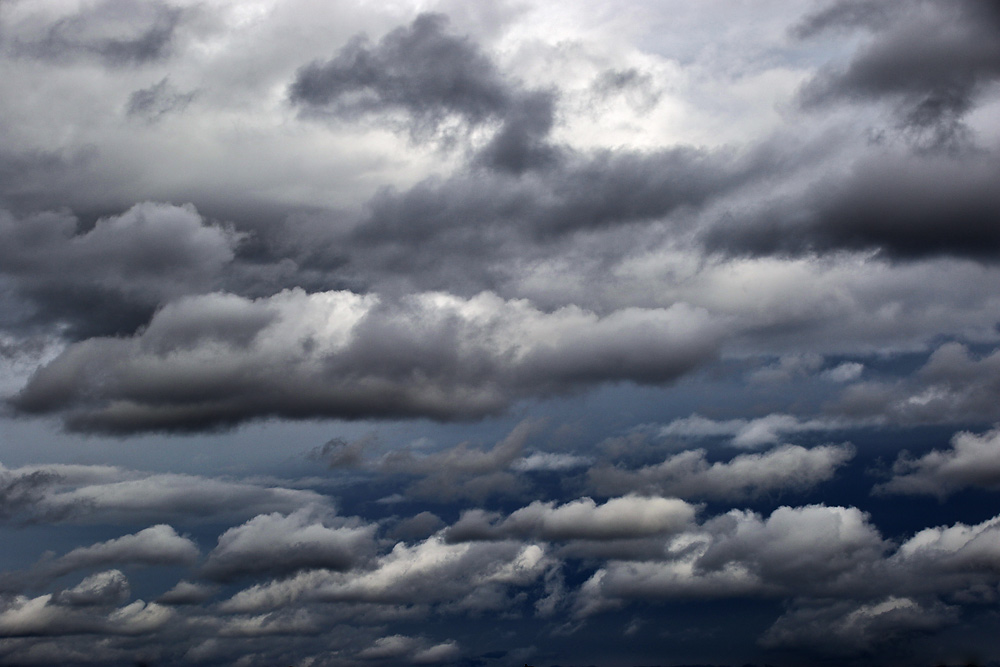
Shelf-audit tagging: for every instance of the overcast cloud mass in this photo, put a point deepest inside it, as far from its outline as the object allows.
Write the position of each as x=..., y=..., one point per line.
x=488, y=334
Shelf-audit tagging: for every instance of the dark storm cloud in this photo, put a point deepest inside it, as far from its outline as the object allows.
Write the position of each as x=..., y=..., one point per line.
x=110, y=278
x=117, y=32
x=433, y=77
x=932, y=58
x=338, y=354
x=905, y=207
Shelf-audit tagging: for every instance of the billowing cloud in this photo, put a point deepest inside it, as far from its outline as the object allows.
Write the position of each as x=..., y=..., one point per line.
x=339, y=354
x=116, y=33
x=934, y=81
x=749, y=433
x=110, y=278
x=690, y=475
x=96, y=494
x=102, y=589
x=618, y=518
x=467, y=576
x=972, y=461
x=157, y=545
x=953, y=386
x=849, y=629
x=433, y=77
x=815, y=548
x=276, y=544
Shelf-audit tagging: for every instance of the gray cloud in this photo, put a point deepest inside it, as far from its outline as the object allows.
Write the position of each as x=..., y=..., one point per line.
x=157, y=545
x=279, y=544
x=972, y=461
x=433, y=77
x=462, y=577
x=952, y=387
x=157, y=100
x=627, y=517
x=905, y=207
x=934, y=75
x=117, y=32
x=110, y=278
x=88, y=494
x=849, y=628
x=338, y=354
x=690, y=475
x=108, y=588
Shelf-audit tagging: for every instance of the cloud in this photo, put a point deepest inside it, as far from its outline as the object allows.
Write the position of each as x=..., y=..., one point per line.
x=953, y=386
x=972, y=461
x=156, y=545
x=102, y=589
x=188, y=593
x=343, y=355
x=462, y=471
x=43, y=616
x=110, y=278
x=748, y=433
x=85, y=494
x=116, y=32
x=847, y=628
x=815, y=550
x=468, y=576
x=935, y=76
x=619, y=518
x=278, y=544
x=433, y=77
x=902, y=206
x=157, y=100
x=410, y=649
x=690, y=475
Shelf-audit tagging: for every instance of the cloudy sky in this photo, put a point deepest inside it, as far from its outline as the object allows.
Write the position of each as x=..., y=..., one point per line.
x=449, y=332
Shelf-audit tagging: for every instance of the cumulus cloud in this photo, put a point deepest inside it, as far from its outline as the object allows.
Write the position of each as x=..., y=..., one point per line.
x=339, y=354
x=690, y=475
x=114, y=32
x=464, y=576
x=618, y=518
x=278, y=544
x=102, y=589
x=953, y=386
x=815, y=549
x=899, y=205
x=847, y=628
x=157, y=545
x=96, y=494
x=972, y=461
x=433, y=76
x=109, y=279
x=43, y=616
x=748, y=433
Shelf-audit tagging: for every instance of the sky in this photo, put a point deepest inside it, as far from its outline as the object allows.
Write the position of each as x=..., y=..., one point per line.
x=486, y=334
